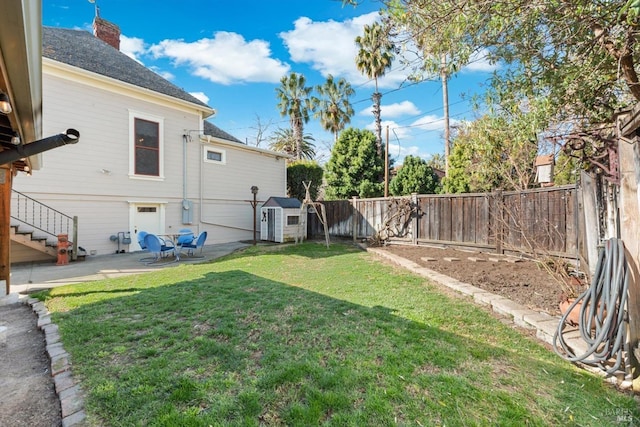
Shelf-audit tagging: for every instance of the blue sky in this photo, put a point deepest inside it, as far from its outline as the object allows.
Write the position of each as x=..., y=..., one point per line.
x=232, y=53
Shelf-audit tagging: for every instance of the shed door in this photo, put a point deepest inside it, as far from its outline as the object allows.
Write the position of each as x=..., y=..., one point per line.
x=271, y=225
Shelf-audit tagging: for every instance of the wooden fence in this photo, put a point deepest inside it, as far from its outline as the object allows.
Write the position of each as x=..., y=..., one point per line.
x=540, y=221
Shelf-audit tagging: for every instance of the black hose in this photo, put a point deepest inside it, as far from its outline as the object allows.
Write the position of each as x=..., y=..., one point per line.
x=603, y=319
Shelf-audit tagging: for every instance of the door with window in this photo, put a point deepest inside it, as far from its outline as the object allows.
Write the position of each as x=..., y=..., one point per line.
x=145, y=217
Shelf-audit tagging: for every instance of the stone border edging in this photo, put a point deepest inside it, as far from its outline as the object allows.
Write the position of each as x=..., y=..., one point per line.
x=544, y=323
x=67, y=389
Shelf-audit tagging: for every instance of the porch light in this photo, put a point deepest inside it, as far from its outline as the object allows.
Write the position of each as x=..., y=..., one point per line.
x=5, y=104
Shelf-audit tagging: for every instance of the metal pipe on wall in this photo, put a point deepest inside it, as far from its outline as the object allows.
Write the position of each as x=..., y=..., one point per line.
x=71, y=136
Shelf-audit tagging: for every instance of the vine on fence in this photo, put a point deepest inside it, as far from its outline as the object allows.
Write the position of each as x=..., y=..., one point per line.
x=397, y=217
x=533, y=238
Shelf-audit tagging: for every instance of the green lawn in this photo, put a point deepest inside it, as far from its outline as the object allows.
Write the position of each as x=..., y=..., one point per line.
x=305, y=335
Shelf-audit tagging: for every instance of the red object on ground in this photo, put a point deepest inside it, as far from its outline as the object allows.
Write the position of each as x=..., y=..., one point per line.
x=63, y=249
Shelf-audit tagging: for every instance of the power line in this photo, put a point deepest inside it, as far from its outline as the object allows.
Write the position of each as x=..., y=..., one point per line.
x=431, y=122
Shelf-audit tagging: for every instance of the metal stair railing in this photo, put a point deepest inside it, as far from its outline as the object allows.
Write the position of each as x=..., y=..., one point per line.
x=46, y=219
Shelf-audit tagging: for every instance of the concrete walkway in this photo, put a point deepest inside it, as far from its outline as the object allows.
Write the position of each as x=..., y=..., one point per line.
x=32, y=277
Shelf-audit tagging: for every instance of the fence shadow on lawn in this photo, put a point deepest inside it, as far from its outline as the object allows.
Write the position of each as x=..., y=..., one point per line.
x=232, y=347
x=338, y=246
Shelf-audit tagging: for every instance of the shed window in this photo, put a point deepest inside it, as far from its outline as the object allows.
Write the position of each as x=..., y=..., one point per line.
x=293, y=220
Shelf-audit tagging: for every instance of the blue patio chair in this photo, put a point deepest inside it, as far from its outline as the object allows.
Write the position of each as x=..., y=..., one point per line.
x=157, y=246
x=198, y=243
x=141, y=236
x=185, y=238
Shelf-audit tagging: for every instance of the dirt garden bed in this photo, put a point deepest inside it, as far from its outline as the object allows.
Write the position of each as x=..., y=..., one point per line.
x=526, y=282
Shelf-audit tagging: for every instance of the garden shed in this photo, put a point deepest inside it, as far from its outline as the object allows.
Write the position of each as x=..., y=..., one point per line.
x=280, y=220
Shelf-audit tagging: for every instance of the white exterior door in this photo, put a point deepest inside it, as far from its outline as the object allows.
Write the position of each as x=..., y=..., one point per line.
x=147, y=217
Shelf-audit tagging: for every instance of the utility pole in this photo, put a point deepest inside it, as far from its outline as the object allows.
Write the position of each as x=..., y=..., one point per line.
x=445, y=104
x=386, y=165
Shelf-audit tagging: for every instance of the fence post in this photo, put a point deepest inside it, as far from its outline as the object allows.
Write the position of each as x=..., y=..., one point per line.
x=414, y=218
x=498, y=208
x=354, y=218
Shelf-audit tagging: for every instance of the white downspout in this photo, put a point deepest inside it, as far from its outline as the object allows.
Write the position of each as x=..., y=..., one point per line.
x=185, y=137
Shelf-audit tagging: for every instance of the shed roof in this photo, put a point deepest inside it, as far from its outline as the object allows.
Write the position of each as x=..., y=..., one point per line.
x=283, y=202
x=544, y=160
x=82, y=49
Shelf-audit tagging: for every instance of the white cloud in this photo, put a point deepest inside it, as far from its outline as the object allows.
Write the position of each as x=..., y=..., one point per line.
x=399, y=152
x=227, y=58
x=479, y=62
x=397, y=109
x=133, y=47
x=329, y=47
x=429, y=122
x=395, y=130
x=166, y=74
x=201, y=96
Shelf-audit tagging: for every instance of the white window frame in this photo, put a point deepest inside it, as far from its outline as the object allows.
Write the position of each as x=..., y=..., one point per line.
x=223, y=155
x=133, y=115
x=293, y=216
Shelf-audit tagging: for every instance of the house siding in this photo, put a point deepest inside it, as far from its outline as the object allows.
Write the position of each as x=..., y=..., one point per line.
x=91, y=178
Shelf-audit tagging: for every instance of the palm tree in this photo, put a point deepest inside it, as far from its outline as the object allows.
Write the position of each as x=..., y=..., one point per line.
x=294, y=101
x=373, y=60
x=333, y=107
x=283, y=141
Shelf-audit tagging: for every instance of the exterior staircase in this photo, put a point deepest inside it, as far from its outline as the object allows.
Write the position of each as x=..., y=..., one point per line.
x=35, y=228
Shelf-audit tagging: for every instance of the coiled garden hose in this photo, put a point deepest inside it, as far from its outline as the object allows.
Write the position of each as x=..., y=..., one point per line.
x=603, y=317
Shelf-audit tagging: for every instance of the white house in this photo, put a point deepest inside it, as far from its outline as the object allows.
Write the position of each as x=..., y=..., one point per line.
x=147, y=159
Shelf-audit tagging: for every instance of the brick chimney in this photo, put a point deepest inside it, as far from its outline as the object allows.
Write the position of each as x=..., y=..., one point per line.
x=107, y=32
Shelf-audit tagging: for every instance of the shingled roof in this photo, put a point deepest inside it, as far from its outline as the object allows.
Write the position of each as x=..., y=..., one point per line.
x=81, y=49
x=213, y=130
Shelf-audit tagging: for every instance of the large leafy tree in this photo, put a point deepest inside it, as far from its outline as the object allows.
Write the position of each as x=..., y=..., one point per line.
x=492, y=153
x=437, y=161
x=283, y=141
x=581, y=55
x=300, y=172
x=374, y=58
x=333, y=106
x=567, y=169
x=354, y=167
x=415, y=176
x=294, y=101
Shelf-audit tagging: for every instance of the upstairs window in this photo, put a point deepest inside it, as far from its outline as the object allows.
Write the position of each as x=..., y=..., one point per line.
x=146, y=146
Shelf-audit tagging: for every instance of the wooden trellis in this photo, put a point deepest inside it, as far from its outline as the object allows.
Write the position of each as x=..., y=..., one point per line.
x=320, y=213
